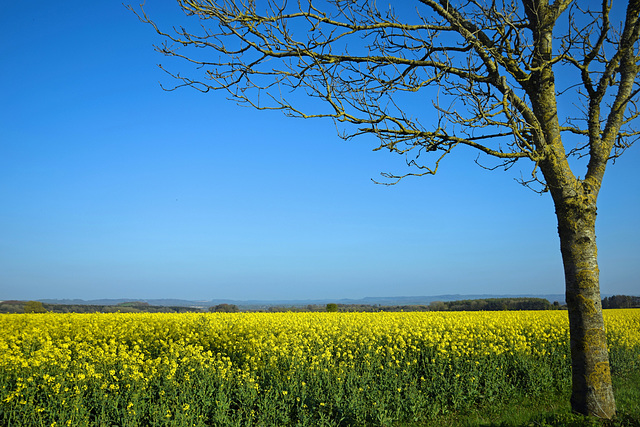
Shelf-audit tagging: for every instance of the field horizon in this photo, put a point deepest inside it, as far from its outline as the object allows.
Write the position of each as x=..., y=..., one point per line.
x=383, y=301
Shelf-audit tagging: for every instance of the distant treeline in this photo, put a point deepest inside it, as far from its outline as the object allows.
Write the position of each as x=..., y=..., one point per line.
x=128, y=307
x=488, y=304
x=621, y=301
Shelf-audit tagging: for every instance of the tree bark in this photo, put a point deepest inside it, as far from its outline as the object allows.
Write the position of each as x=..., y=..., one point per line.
x=592, y=392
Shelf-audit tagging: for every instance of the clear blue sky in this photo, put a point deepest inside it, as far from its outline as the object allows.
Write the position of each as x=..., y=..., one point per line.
x=113, y=188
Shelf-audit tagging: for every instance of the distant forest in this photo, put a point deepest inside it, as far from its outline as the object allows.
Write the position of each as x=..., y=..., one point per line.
x=127, y=307
x=621, y=301
x=488, y=304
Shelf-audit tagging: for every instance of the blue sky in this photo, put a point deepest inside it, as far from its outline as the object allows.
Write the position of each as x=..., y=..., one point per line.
x=111, y=187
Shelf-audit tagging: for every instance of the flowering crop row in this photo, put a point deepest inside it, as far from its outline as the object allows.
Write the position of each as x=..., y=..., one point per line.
x=274, y=369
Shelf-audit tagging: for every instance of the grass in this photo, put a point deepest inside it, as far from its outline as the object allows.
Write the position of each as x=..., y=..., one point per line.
x=551, y=410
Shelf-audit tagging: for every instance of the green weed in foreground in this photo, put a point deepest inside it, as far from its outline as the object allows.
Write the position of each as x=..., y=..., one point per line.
x=553, y=409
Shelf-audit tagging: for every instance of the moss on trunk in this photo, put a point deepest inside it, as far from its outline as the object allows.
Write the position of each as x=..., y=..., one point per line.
x=592, y=392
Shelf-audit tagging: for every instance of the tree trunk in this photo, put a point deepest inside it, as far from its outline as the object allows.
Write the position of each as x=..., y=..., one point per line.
x=592, y=392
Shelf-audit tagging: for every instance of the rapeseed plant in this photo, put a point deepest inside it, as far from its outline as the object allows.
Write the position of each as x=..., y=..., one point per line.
x=282, y=368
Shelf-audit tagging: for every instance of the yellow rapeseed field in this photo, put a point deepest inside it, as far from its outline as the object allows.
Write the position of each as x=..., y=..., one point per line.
x=65, y=366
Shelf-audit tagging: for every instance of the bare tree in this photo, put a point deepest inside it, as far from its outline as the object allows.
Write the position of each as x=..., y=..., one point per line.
x=484, y=76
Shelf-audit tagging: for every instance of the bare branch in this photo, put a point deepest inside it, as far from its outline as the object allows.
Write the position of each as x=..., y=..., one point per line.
x=369, y=69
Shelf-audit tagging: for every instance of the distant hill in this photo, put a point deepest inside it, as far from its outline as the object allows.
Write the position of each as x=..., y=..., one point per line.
x=253, y=304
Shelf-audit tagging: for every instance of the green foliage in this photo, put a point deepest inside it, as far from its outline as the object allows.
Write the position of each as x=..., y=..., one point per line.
x=34, y=307
x=12, y=306
x=134, y=304
x=224, y=308
x=494, y=304
x=431, y=393
x=621, y=301
x=332, y=307
x=285, y=396
x=128, y=307
x=550, y=409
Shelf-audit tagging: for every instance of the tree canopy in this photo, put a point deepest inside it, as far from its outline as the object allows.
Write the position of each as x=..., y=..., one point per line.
x=482, y=65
